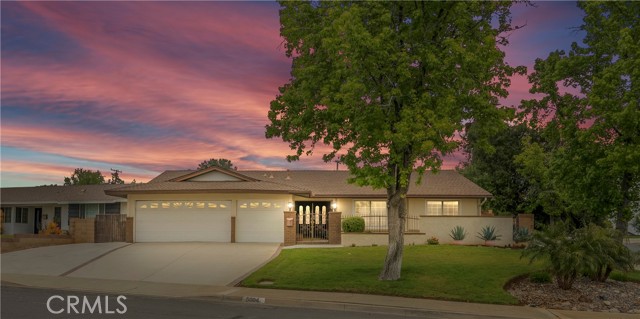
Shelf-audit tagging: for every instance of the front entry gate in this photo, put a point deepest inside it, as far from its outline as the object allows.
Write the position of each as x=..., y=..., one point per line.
x=110, y=228
x=312, y=221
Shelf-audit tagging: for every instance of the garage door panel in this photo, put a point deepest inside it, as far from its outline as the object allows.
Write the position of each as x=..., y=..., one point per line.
x=173, y=223
x=260, y=223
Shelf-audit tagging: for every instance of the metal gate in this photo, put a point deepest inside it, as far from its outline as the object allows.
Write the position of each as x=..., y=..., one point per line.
x=312, y=221
x=111, y=228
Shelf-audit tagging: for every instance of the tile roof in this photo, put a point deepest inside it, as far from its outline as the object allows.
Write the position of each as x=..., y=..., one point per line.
x=446, y=183
x=58, y=194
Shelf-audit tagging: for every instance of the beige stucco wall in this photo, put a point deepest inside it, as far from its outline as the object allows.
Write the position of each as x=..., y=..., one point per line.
x=380, y=239
x=440, y=227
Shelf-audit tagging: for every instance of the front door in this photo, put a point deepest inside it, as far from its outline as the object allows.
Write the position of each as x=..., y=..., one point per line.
x=312, y=221
x=37, y=220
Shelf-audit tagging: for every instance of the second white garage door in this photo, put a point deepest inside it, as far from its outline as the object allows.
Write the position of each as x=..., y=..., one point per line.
x=260, y=221
x=183, y=221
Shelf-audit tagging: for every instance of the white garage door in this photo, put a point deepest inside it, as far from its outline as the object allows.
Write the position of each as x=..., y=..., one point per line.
x=260, y=221
x=181, y=221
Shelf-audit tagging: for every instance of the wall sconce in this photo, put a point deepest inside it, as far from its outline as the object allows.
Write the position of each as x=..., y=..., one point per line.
x=290, y=205
x=334, y=205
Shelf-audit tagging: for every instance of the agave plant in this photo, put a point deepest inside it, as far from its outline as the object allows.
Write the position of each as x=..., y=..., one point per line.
x=458, y=233
x=488, y=233
x=521, y=235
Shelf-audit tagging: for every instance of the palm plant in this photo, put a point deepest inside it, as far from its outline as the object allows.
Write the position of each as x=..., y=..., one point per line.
x=458, y=233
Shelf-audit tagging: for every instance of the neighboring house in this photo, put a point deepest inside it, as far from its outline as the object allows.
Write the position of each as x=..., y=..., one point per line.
x=26, y=210
x=220, y=205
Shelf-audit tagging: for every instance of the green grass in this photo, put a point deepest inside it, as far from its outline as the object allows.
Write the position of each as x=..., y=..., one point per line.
x=6, y=236
x=474, y=274
x=626, y=276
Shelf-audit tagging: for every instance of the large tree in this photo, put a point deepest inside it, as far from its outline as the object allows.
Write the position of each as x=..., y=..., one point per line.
x=218, y=162
x=82, y=176
x=386, y=86
x=590, y=109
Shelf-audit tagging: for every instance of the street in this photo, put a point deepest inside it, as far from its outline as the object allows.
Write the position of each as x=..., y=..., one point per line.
x=23, y=302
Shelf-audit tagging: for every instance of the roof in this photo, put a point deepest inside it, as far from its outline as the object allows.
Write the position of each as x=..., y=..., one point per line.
x=313, y=183
x=58, y=194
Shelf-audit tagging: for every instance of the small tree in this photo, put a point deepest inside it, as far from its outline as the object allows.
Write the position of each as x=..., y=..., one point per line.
x=84, y=177
x=115, y=177
x=218, y=162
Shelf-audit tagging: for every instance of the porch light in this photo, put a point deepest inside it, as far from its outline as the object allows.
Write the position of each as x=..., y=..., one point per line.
x=334, y=205
x=290, y=205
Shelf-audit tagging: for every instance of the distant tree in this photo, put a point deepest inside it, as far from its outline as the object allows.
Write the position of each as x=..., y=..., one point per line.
x=389, y=84
x=133, y=181
x=219, y=162
x=115, y=177
x=84, y=177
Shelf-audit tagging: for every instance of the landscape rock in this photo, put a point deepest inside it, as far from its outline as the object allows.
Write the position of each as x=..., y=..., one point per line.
x=585, y=295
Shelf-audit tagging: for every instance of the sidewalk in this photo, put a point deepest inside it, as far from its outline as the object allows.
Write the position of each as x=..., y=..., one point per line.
x=306, y=299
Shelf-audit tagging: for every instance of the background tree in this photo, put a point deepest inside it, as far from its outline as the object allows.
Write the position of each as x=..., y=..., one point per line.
x=388, y=85
x=115, y=177
x=221, y=162
x=84, y=177
x=496, y=170
x=592, y=105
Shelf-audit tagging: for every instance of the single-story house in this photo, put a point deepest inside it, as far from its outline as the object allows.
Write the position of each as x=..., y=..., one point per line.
x=220, y=205
x=27, y=210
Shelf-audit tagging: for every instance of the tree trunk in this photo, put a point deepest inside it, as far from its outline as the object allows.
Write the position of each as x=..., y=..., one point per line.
x=624, y=212
x=396, y=215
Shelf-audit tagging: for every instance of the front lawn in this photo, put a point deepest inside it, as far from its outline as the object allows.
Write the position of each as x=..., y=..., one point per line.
x=475, y=274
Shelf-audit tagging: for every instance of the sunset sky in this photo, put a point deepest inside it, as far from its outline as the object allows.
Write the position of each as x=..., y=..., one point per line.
x=148, y=86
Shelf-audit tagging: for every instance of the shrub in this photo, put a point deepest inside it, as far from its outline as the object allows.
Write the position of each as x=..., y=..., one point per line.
x=353, y=224
x=591, y=250
x=458, y=233
x=521, y=235
x=52, y=229
x=488, y=233
x=433, y=241
x=540, y=277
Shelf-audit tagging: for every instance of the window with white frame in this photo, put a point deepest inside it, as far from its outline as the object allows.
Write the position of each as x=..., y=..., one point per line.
x=442, y=208
x=22, y=215
x=374, y=213
x=6, y=214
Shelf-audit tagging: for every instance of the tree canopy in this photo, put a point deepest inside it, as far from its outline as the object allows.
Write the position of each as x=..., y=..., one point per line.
x=386, y=86
x=590, y=116
x=221, y=162
x=115, y=177
x=81, y=176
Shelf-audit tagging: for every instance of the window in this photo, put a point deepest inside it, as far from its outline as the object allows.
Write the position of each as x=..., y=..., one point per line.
x=6, y=214
x=374, y=214
x=112, y=208
x=22, y=215
x=442, y=208
x=57, y=215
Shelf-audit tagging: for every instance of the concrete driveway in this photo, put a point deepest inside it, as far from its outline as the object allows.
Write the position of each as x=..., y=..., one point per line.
x=217, y=264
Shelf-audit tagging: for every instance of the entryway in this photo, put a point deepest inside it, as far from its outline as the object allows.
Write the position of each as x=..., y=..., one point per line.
x=312, y=221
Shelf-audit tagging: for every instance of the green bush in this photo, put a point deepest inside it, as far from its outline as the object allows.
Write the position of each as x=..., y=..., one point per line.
x=591, y=250
x=354, y=224
x=540, y=277
x=488, y=233
x=458, y=233
x=521, y=235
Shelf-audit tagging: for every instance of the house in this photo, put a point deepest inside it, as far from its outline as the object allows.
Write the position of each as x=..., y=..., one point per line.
x=219, y=205
x=27, y=210
x=247, y=206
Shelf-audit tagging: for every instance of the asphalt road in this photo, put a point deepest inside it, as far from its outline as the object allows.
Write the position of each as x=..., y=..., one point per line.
x=25, y=302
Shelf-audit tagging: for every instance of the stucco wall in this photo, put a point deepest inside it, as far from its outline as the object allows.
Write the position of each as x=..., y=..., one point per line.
x=440, y=227
x=379, y=239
